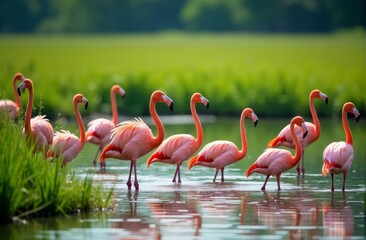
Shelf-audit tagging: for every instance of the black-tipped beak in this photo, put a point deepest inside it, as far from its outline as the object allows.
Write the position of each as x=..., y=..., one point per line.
x=358, y=118
x=124, y=96
x=19, y=92
x=326, y=101
x=86, y=105
x=171, y=107
x=305, y=134
x=255, y=123
x=208, y=105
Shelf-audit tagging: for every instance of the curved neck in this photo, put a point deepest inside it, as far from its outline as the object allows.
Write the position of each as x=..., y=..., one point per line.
x=159, y=125
x=347, y=130
x=80, y=123
x=244, y=146
x=16, y=96
x=28, y=113
x=296, y=158
x=197, y=123
x=315, y=117
x=114, y=107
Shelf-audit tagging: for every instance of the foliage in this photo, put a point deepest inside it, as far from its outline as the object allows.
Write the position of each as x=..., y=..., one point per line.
x=31, y=185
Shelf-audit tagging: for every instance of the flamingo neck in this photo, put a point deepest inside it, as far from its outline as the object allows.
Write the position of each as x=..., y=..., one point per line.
x=314, y=115
x=298, y=150
x=244, y=144
x=197, y=123
x=346, y=128
x=159, y=125
x=114, y=108
x=80, y=123
x=17, y=98
x=28, y=114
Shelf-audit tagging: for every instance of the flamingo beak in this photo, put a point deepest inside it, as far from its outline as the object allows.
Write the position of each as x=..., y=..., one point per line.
x=326, y=100
x=305, y=134
x=124, y=96
x=86, y=105
x=208, y=105
x=358, y=118
x=19, y=92
x=171, y=106
x=255, y=123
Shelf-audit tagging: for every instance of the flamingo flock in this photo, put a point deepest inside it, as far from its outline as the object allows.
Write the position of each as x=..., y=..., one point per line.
x=132, y=139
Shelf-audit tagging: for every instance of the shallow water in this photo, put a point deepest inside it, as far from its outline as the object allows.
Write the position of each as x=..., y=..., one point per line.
x=305, y=208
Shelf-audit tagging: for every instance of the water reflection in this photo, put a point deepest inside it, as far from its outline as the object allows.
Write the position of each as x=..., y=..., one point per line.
x=337, y=218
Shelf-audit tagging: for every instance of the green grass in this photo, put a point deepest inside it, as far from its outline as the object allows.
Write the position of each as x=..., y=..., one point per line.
x=32, y=186
x=273, y=73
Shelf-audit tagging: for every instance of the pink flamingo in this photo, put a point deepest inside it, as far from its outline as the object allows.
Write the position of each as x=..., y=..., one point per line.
x=338, y=156
x=133, y=139
x=219, y=154
x=178, y=148
x=275, y=161
x=99, y=130
x=66, y=145
x=284, y=137
x=38, y=129
x=8, y=106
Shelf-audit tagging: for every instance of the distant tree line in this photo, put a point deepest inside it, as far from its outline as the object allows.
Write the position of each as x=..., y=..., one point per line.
x=108, y=16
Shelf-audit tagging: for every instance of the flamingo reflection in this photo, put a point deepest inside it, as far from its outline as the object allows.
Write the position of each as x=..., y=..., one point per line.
x=337, y=218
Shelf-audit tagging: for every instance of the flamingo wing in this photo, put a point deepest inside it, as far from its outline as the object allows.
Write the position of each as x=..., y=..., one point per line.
x=337, y=157
x=65, y=146
x=10, y=108
x=42, y=132
x=99, y=131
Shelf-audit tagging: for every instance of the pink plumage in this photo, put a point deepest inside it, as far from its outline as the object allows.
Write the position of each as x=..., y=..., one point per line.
x=284, y=138
x=178, y=148
x=99, y=130
x=338, y=156
x=9, y=108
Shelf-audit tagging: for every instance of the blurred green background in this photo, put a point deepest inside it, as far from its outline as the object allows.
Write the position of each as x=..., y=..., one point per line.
x=266, y=54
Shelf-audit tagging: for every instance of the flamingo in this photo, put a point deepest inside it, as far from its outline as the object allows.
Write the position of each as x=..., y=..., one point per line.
x=8, y=106
x=38, y=129
x=66, y=145
x=284, y=137
x=99, y=130
x=133, y=139
x=178, y=148
x=219, y=154
x=338, y=156
x=275, y=161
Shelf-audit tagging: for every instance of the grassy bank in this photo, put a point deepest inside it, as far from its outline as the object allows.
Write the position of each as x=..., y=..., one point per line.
x=32, y=186
x=273, y=73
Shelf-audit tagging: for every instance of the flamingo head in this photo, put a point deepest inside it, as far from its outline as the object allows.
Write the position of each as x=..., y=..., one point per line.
x=351, y=108
x=160, y=96
x=248, y=112
x=79, y=98
x=18, y=77
x=299, y=121
x=26, y=83
x=119, y=90
x=318, y=94
x=197, y=97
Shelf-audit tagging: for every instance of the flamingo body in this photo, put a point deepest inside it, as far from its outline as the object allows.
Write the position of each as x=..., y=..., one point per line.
x=275, y=161
x=9, y=107
x=38, y=129
x=178, y=148
x=338, y=156
x=66, y=145
x=221, y=153
x=284, y=138
x=99, y=130
x=133, y=139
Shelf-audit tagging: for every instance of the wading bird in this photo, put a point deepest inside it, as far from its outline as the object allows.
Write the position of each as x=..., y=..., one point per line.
x=99, y=130
x=178, y=148
x=219, y=154
x=274, y=161
x=66, y=146
x=133, y=139
x=38, y=129
x=338, y=156
x=284, y=137
x=8, y=107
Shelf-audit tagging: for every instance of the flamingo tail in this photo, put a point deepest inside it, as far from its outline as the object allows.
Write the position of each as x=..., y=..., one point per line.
x=274, y=142
x=192, y=162
x=151, y=159
x=250, y=169
x=102, y=156
x=326, y=167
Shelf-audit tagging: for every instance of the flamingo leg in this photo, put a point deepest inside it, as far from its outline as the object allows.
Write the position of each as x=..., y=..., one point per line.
x=135, y=183
x=222, y=174
x=265, y=182
x=177, y=171
x=302, y=162
x=129, y=177
x=179, y=180
x=344, y=181
x=278, y=176
x=215, y=175
x=96, y=155
x=332, y=177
